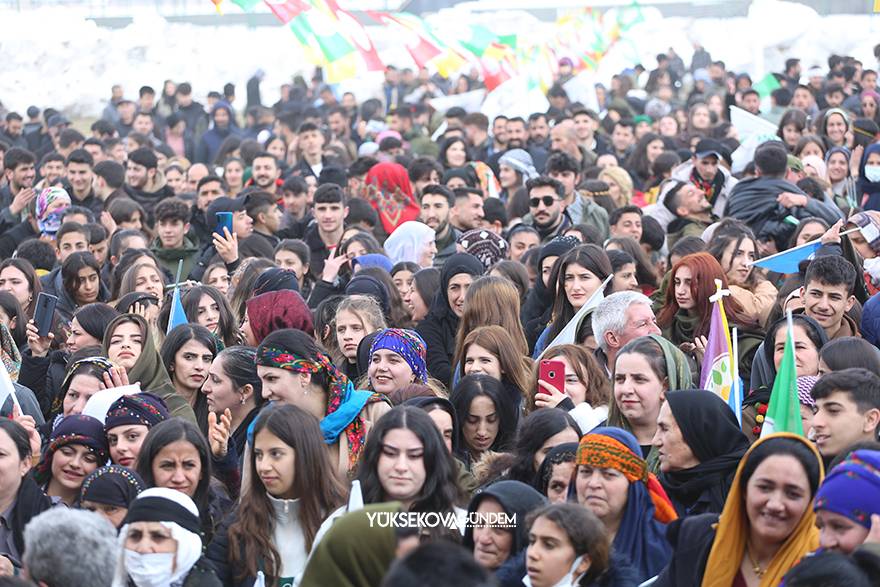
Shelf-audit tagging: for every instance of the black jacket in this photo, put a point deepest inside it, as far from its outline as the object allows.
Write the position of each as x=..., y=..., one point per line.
x=754, y=202
x=10, y=239
x=691, y=540
x=30, y=502
x=44, y=376
x=148, y=200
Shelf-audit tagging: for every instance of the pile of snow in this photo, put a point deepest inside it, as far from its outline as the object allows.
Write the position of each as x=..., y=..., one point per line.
x=53, y=57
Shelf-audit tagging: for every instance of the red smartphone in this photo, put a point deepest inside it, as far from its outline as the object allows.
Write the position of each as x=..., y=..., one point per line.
x=553, y=372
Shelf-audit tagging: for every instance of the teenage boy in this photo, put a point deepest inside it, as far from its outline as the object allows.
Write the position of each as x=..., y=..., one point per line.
x=264, y=211
x=847, y=410
x=171, y=244
x=323, y=235
x=71, y=238
x=827, y=294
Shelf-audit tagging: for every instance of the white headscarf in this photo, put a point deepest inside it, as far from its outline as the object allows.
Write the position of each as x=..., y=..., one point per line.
x=189, y=544
x=407, y=242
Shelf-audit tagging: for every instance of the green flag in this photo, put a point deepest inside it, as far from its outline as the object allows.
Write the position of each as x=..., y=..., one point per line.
x=784, y=411
x=246, y=5
x=766, y=85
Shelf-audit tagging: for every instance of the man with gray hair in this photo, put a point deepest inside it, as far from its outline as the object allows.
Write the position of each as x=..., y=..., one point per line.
x=618, y=319
x=70, y=548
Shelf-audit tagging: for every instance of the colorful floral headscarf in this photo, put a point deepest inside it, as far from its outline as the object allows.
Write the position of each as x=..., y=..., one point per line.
x=406, y=343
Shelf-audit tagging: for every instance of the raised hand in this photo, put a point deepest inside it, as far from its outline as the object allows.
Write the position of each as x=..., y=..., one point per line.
x=39, y=345
x=226, y=245
x=219, y=430
x=548, y=396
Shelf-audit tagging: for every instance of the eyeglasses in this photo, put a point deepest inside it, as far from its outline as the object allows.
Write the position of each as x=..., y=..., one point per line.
x=547, y=200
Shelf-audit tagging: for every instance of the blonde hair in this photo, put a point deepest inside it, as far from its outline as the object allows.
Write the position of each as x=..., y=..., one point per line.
x=367, y=310
x=492, y=300
x=619, y=176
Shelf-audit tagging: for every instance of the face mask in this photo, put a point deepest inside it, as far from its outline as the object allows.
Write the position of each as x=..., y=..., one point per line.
x=51, y=223
x=872, y=173
x=149, y=570
x=569, y=580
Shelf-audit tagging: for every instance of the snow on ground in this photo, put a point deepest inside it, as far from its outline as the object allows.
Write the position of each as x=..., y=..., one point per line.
x=54, y=57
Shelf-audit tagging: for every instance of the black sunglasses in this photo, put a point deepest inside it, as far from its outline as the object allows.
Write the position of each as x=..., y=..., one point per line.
x=548, y=201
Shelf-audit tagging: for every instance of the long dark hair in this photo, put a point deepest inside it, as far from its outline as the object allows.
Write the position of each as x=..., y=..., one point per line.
x=95, y=317
x=536, y=428
x=506, y=406
x=645, y=272
x=179, y=336
x=34, y=285
x=591, y=258
x=70, y=273
x=252, y=546
x=721, y=240
x=440, y=490
x=239, y=364
x=227, y=326
x=13, y=311
x=169, y=432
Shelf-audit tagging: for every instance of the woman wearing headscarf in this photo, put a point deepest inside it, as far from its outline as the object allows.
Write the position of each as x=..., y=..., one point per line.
x=613, y=481
x=76, y=448
x=160, y=543
x=275, y=279
x=767, y=524
x=503, y=553
x=109, y=491
x=846, y=500
x=556, y=472
x=127, y=343
x=868, y=188
x=699, y=444
x=355, y=552
x=412, y=242
x=273, y=311
x=397, y=359
x=128, y=421
x=843, y=184
x=388, y=190
x=50, y=205
x=439, y=327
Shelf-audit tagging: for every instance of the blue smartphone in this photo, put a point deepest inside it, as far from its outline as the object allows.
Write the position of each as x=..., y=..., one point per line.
x=224, y=219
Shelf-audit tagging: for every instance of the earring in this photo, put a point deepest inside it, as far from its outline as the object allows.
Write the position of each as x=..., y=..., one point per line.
x=242, y=400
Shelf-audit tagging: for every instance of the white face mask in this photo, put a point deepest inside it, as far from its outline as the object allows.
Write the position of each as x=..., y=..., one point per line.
x=569, y=580
x=151, y=569
x=872, y=173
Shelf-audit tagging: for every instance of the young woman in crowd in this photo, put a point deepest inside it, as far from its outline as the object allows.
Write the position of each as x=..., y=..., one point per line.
x=17, y=276
x=809, y=340
x=556, y=472
x=613, y=481
x=492, y=301
x=43, y=370
x=439, y=327
x=402, y=276
x=273, y=311
x=242, y=283
x=83, y=379
x=207, y=306
x=290, y=489
x=620, y=185
x=128, y=344
x=128, y=421
x=699, y=444
x=491, y=350
x=406, y=460
x=646, y=272
x=419, y=297
x=846, y=502
x=294, y=371
x=624, y=268
x=587, y=391
x=76, y=448
x=20, y=496
x=295, y=255
x=767, y=524
x=537, y=311
x=14, y=319
x=840, y=176
x=187, y=353
x=233, y=384
x=502, y=549
x=176, y=455
x=81, y=280
x=687, y=312
x=488, y=417
x=834, y=125
x=356, y=317
x=578, y=275
x=162, y=542
x=109, y=491
x=143, y=277
x=736, y=250
x=847, y=352
x=536, y=435
x=644, y=371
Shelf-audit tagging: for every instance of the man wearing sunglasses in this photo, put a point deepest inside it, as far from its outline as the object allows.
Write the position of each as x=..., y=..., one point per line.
x=547, y=207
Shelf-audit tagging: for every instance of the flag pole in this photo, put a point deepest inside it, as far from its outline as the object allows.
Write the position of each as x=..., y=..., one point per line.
x=179, y=271
x=786, y=251
x=790, y=337
x=734, y=368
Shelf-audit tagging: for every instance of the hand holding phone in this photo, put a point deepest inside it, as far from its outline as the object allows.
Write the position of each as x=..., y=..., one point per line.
x=44, y=313
x=553, y=373
x=224, y=219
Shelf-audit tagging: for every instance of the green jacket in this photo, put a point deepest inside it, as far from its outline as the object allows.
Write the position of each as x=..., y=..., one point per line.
x=169, y=258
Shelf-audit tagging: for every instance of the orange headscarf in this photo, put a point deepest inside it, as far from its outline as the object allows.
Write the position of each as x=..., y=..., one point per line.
x=732, y=532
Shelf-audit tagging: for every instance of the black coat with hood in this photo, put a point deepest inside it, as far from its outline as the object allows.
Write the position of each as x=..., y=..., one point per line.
x=440, y=326
x=535, y=313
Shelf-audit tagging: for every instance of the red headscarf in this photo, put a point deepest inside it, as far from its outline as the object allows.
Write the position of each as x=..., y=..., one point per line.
x=390, y=193
x=276, y=310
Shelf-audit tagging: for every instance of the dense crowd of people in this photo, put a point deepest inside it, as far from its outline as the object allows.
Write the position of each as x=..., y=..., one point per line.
x=337, y=313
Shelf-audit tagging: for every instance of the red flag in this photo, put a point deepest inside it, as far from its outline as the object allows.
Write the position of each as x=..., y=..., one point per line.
x=286, y=10
x=421, y=49
x=355, y=32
